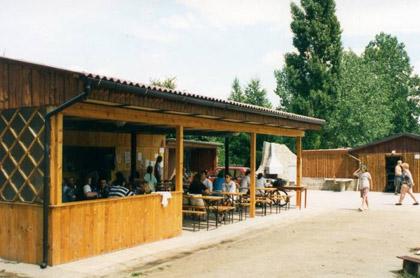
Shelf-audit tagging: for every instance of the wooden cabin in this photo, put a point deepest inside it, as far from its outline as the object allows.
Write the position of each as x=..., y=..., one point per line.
x=380, y=156
x=56, y=123
x=198, y=155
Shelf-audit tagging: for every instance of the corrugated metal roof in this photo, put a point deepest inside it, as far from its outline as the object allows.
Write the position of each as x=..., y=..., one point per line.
x=181, y=93
x=392, y=137
x=273, y=112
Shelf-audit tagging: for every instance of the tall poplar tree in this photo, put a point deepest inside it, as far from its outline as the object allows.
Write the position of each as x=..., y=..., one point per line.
x=308, y=81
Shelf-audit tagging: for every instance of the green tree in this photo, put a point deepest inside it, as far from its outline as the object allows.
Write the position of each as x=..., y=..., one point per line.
x=169, y=83
x=254, y=94
x=362, y=113
x=307, y=83
x=390, y=63
x=236, y=94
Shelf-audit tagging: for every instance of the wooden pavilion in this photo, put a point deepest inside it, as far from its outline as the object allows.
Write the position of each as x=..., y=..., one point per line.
x=45, y=111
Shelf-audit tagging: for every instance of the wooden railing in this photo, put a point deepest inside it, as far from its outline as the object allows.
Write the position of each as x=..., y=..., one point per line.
x=21, y=232
x=84, y=229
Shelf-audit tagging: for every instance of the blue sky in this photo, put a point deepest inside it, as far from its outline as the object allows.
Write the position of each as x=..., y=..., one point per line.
x=205, y=43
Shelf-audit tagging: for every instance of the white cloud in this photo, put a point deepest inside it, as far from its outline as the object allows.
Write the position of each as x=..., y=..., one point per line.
x=274, y=58
x=361, y=17
x=185, y=21
x=224, y=14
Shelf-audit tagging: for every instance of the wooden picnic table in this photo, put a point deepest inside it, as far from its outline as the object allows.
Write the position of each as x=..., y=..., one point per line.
x=205, y=197
x=266, y=188
x=210, y=201
x=298, y=190
x=232, y=193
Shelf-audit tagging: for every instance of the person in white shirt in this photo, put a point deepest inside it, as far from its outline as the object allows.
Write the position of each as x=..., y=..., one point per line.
x=261, y=182
x=365, y=182
x=245, y=182
x=229, y=185
x=88, y=190
x=204, y=179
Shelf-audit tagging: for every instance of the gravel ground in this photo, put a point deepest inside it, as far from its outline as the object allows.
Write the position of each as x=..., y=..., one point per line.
x=342, y=242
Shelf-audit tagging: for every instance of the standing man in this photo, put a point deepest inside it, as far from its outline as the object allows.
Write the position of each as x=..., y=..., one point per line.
x=398, y=177
x=158, y=170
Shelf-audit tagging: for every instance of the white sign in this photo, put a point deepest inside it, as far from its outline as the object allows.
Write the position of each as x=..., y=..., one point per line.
x=417, y=156
x=127, y=157
x=139, y=156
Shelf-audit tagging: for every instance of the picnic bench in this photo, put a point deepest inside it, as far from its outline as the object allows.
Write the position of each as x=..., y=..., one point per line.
x=196, y=216
x=410, y=264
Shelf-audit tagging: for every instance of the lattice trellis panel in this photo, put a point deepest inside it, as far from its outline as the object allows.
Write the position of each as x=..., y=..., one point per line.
x=21, y=154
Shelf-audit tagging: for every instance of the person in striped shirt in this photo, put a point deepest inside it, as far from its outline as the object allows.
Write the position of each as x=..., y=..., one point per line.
x=118, y=189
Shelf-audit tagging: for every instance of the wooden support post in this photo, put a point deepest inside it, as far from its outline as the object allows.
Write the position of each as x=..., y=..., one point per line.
x=179, y=157
x=133, y=157
x=299, y=171
x=56, y=157
x=253, y=139
x=226, y=155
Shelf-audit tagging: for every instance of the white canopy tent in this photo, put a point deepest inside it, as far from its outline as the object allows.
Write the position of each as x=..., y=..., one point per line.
x=278, y=159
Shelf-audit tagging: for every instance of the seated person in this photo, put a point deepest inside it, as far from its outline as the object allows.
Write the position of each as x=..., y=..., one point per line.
x=261, y=182
x=245, y=182
x=119, y=179
x=218, y=182
x=88, y=191
x=229, y=185
x=197, y=187
x=141, y=187
x=69, y=190
x=150, y=178
x=116, y=191
x=205, y=180
x=103, y=188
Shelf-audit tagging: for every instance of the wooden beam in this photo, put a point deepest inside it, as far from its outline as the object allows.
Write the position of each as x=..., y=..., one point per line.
x=253, y=139
x=179, y=166
x=136, y=100
x=226, y=155
x=93, y=111
x=56, y=156
x=298, y=171
x=133, y=157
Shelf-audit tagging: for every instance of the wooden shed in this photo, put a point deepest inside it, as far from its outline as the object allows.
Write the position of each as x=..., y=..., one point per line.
x=198, y=155
x=54, y=120
x=381, y=157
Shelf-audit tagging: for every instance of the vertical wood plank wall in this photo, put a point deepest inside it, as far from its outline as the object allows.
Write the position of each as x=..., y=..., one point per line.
x=375, y=158
x=376, y=166
x=83, y=229
x=21, y=232
x=148, y=145
x=414, y=168
x=328, y=164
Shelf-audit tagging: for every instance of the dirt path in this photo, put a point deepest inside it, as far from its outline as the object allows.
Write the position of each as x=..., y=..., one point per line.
x=344, y=243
